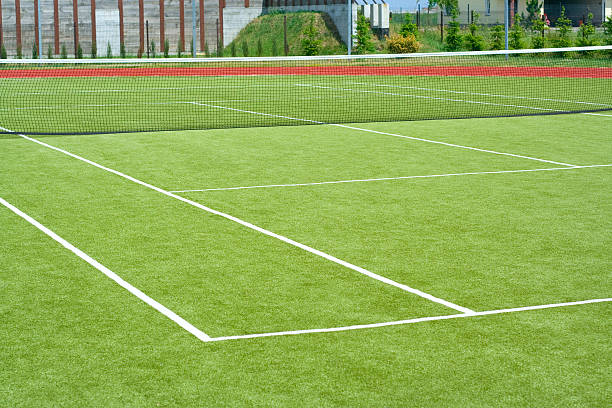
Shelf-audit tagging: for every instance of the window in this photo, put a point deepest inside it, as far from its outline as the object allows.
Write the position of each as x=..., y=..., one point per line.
x=488, y=7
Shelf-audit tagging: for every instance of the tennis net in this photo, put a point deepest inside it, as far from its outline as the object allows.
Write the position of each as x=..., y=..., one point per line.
x=115, y=96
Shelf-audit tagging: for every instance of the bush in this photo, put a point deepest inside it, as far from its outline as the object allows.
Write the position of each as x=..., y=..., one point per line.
x=311, y=45
x=516, y=35
x=122, y=51
x=274, y=49
x=587, y=29
x=166, y=48
x=400, y=44
x=34, y=51
x=245, y=49
x=49, y=51
x=79, y=52
x=64, y=52
x=565, y=27
x=179, y=49
x=153, y=50
x=533, y=10
x=607, y=26
x=409, y=27
x=94, y=50
x=19, y=55
x=233, y=49
x=3, y=54
x=474, y=41
x=498, y=38
x=109, y=50
x=453, y=37
x=206, y=49
x=363, y=36
x=538, y=27
x=259, y=47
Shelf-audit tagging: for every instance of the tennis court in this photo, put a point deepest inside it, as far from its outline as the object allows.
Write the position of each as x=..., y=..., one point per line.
x=355, y=262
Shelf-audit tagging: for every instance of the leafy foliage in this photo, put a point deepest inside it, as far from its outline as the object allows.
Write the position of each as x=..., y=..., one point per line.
x=34, y=51
x=79, y=51
x=245, y=49
x=311, y=45
x=363, y=36
x=94, y=50
x=403, y=44
x=473, y=40
x=64, y=52
x=587, y=30
x=19, y=53
x=109, y=50
x=533, y=12
x=516, y=35
x=453, y=37
x=153, y=50
x=607, y=26
x=166, y=48
x=498, y=37
x=564, y=25
x=233, y=49
x=3, y=54
x=450, y=5
x=259, y=47
x=409, y=27
x=538, y=26
x=49, y=51
x=123, y=52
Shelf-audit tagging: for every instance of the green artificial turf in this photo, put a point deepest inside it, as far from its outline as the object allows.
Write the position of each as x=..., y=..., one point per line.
x=71, y=337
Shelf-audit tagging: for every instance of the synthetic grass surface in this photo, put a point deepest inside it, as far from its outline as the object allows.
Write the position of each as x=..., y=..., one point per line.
x=73, y=337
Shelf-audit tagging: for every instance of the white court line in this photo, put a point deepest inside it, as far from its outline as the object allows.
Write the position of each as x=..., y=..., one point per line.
x=112, y=275
x=596, y=114
x=110, y=105
x=261, y=230
x=390, y=178
x=481, y=94
x=386, y=134
x=410, y=321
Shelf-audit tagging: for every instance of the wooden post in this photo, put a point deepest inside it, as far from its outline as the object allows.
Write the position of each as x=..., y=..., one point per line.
x=56, y=33
x=36, y=25
x=121, y=34
x=18, y=23
x=221, y=6
x=93, y=25
x=246, y=3
x=141, y=27
x=441, y=26
x=1, y=36
x=182, y=24
x=202, y=32
x=75, y=23
x=162, y=28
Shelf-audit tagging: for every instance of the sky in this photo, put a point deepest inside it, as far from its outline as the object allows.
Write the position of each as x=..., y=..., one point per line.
x=405, y=4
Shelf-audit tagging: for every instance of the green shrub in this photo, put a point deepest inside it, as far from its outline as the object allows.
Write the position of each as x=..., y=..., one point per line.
x=259, y=47
x=587, y=30
x=94, y=50
x=363, y=36
x=122, y=51
x=533, y=12
x=233, y=49
x=538, y=27
x=34, y=51
x=49, y=51
x=453, y=37
x=191, y=49
x=179, y=49
x=153, y=50
x=109, y=50
x=79, y=51
x=564, y=25
x=19, y=54
x=474, y=41
x=274, y=49
x=311, y=44
x=607, y=26
x=400, y=44
x=516, y=35
x=64, y=52
x=409, y=27
x=206, y=49
x=166, y=48
x=3, y=54
x=245, y=49
x=498, y=38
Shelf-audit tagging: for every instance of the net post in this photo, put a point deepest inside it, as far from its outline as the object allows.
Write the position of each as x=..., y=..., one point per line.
x=507, y=22
x=286, y=42
x=441, y=26
x=349, y=39
x=40, y=53
x=148, y=43
x=193, y=29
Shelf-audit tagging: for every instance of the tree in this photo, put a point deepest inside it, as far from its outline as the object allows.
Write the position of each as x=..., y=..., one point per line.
x=409, y=27
x=364, y=36
x=453, y=36
x=587, y=29
x=538, y=27
x=534, y=8
x=94, y=50
x=311, y=45
x=473, y=40
x=400, y=44
x=449, y=5
x=516, y=35
x=3, y=54
x=607, y=26
x=564, y=25
x=498, y=38
x=109, y=50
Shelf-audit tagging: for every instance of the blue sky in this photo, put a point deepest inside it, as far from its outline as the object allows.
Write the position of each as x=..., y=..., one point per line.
x=405, y=4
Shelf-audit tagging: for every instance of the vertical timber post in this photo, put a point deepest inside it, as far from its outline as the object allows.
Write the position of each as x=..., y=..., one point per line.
x=141, y=27
x=441, y=26
x=1, y=34
x=56, y=26
x=18, y=23
x=193, y=28
x=75, y=23
x=202, y=32
x=162, y=28
x=507, y=22
x=148, y=43
x=121, y=32
x=37, y=35
x=182, y=24
x=286, y=43
x=220, y=24
x=93, y=26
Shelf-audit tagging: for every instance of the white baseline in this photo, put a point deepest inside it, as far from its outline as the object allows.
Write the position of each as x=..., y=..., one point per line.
x=112, y=275
x=391, y=178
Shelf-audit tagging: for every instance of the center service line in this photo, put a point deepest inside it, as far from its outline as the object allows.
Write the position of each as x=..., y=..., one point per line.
x=262, y=230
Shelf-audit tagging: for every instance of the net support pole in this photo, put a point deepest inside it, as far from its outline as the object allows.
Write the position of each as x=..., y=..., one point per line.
x=349, y=39
x=38, y=30
x=507, y=22
x=193, y=28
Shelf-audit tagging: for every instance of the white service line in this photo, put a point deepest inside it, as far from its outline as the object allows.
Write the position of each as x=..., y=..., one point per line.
x=112, y=275
x=409, y=321
x=480, y=94
x=390, y=178
x=387, y=134
x=261, y=230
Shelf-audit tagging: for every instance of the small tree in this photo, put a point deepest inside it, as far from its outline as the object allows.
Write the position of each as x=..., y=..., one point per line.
x=109, y=50
x=179, y=49
x=400, y=44
x=3, y=54
x=206, y=49
x=587, y=29
x=409, y=27
x=79, y=52
x=259, y=47
x=19, y=55
x=166, y=48
x=245, y=49
x=153, y=50
x=453, y=37
x=94, y=50
x=607, y=26
x=49, y=51
x=564, y=25
x=498, y=38
x=364, y=36
x=233, y=49
x=473, y=40
x=311, y=45
x=534, y=8
x=34, y=51
x=64, y=52
x=516, y=34
x=538, y=27
x=122, y=51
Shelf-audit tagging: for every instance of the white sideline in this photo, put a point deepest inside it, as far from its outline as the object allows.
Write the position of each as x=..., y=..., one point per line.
x=112, y=275
x=386, y=134
x=261, y=230
x=409, y=321
x=390, y=178
x=480, y=94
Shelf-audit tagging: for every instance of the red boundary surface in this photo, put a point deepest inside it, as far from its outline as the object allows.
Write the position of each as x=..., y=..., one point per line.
x=535, y=72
